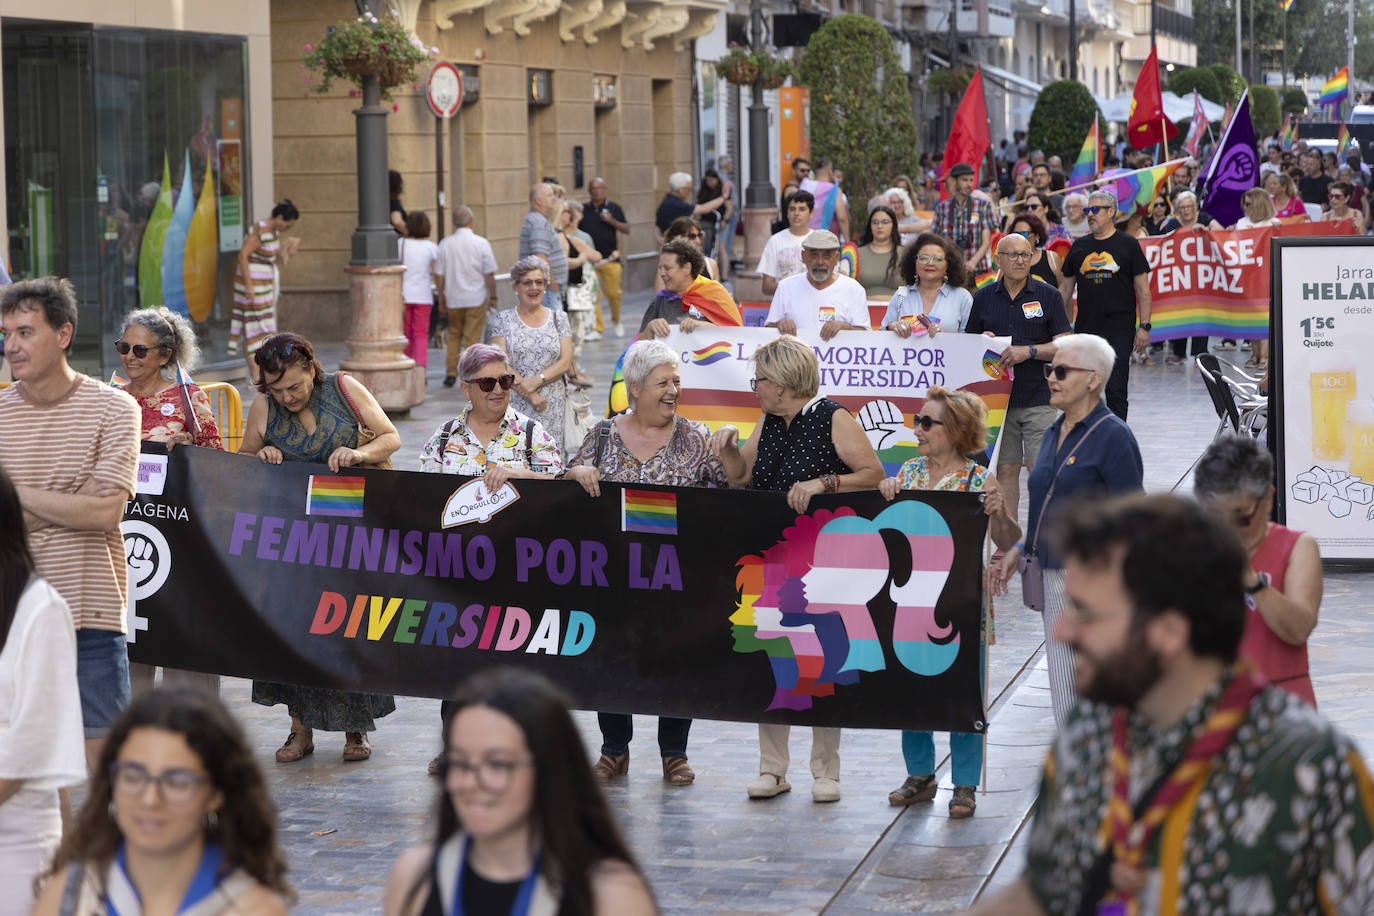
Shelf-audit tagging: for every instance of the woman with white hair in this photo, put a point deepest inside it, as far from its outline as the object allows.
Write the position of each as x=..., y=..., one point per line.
x=538, y=345
x=1075, y=220
x=908, y=224
x=1087, y=451
x=650, y=443
x=152, y=345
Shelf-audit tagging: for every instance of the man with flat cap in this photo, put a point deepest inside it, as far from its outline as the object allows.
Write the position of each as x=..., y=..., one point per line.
x=965, y=220
x=819, y=299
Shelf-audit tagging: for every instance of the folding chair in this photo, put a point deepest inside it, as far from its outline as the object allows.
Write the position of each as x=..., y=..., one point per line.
x=1238, y=404
x=228, y=408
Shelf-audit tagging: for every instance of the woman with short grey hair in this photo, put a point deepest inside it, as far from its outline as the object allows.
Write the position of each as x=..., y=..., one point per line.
x=1234, y=479
x=1088, y=451
x=650, y=443
x=538, y=344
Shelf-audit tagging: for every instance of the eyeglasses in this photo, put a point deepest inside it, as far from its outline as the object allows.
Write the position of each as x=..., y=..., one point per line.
x=1244, y=518
x=177, y=787
x=492, y=775
x=1016, y=255
x=930, y=259
x=123, y=348
x=754, y=383
x=1094, y=210
x=926, y=422
x=880, y=222
x=1062, y=372
x=489, y=383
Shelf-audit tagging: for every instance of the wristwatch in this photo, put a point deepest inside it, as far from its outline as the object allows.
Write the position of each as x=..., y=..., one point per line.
x=1261, y=583
x=1144, y=326
x=1032, y=351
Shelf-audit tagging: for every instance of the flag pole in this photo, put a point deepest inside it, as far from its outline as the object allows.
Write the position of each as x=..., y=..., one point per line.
x=1164, y=139
x=1126, y=174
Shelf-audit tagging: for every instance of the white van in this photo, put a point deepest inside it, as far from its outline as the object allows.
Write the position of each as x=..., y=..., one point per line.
x=1361, y=114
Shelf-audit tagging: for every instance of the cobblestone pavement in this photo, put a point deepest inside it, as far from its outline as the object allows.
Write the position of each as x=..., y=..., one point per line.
x=707, y=849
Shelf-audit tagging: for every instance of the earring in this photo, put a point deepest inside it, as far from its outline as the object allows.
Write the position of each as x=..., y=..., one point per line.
x=212, y=821
x=114, y=812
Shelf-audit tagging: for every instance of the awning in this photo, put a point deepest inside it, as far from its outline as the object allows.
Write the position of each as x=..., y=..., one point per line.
x=1003, y=78
x=1118, y=108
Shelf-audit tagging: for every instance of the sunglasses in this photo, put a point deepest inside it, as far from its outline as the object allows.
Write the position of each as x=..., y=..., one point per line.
x=276, y=351
x=1094, y=210
x=489, y=384
x=926, y=422
x=140, y=351
x=1034, y=207
x=1062, y=372
x=695, y=236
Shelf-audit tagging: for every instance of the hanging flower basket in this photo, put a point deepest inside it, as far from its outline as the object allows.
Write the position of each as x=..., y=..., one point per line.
x=742, y=72
x=774, y=79
x=389, y=72
x=368, y=46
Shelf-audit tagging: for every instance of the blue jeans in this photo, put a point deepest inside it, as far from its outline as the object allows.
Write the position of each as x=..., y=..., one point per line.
x=102, y=676
x=617, y=729
x=965, y=748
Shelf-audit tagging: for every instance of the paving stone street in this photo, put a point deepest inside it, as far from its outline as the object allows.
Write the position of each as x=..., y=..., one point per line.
x=707, y=849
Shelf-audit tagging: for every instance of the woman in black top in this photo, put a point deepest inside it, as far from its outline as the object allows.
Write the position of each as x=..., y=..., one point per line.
x=522, y=826
x=710, y=188
x=804, y=444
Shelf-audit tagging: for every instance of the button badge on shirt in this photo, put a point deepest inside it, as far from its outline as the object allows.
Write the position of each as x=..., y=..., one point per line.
x=1032, y=309
x=827, y=313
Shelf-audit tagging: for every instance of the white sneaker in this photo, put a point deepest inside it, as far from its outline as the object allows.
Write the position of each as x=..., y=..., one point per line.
x=768, y=785
x=619, y=329
x=825, y=789
x=592, y=335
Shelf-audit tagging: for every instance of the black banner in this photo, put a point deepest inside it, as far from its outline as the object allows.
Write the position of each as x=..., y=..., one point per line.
x=715, y=604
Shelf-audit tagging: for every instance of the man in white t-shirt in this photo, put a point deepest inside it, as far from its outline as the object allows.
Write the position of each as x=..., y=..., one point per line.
x=782, y=252
x=819, y=299
x=468, y=267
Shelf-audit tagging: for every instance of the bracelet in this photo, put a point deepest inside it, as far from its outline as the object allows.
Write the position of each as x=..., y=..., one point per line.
x=830, y=483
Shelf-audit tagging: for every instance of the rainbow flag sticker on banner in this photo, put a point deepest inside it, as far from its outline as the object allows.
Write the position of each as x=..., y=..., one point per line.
x=340, y=496
x=648, y=511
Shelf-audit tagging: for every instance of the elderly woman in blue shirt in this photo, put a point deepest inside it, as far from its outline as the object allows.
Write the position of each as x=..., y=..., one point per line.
x=1087, y=452
x=933, y=295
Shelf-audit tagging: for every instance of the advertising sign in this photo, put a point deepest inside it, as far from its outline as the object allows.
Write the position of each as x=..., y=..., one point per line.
x=1322, y=399
x=230, y=195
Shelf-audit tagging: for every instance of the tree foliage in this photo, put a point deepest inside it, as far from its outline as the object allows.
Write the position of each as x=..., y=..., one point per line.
x=1185, y=80
x=1232, y=85
x=1264, y=110
x=1062, y=116
x=860, y=105
x=1294, y=100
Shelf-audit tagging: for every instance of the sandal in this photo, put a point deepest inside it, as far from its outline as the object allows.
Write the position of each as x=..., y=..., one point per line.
x=962, y=804
x=914, y=789
x=607, y=768
x=356, y=747
x=292, y=751
x=676, y=772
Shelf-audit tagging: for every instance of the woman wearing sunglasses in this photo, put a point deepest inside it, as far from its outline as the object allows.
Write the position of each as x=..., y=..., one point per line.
x=538, y=346
x=1234, y=479
x=1044, y=263
x=178, y=819
x=303, y=414
x=1087, y=452
x=152, y=346
x=952, y=425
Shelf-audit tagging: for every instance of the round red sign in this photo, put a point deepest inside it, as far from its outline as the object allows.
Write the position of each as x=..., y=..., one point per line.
x=444, y=89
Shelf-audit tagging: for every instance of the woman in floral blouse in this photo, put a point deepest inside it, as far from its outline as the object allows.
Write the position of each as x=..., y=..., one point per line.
x=649, y=444
x=951, y=426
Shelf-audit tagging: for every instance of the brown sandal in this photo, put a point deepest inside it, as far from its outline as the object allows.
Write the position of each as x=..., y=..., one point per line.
x=356, y=747
x=676, y=772
x=292, y=751
x=962, y=804
x=913, y=789
x=607, y=768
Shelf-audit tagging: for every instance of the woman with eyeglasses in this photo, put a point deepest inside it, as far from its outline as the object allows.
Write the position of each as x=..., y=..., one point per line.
x=303, y=414
x=803, y=444
x=521, y=827
x=1044, y=263
x=875, y=258
x=1075, y=220
x=1338, y=207
x=254, y=316
x=689, y=230
x=41, y=737
x=933, y=295
x=952, y=426
x=178, y=820
x=538, y=346
x=1087, y=452
x=1234, y=479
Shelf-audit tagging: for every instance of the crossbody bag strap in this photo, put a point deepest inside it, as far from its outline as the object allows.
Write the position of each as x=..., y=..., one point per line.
x=529, y=448
x=348, y=398
x=603, y=435
x=1044, y=503
x=444, y=435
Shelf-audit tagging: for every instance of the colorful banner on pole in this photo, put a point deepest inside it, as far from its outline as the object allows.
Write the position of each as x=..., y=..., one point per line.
x=1216, y=283
x=705, y=603
x=880, y=377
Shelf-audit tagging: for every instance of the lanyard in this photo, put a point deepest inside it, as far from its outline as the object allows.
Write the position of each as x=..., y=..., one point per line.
x=523, y=897
x=202, y=885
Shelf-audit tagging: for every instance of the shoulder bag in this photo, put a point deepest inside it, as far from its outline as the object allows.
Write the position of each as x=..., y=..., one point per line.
x=365, y=433
x=1029, y=565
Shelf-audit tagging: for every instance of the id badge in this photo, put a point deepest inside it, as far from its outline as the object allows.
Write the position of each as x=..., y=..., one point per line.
x=1033, y=309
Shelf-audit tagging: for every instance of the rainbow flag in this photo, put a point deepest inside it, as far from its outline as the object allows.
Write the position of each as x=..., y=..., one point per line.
x=1285, y=5
x=1335, y=89
x=342, y=496
x=984, y=279
x=711, y=353
x=117, y=380
x=1289, y=134
x=1089, y=161
x=1197, y=128
x=1137, y=188
x=1343, y=141
x=648, y=511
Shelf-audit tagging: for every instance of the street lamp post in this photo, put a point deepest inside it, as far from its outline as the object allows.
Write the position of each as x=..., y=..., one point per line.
x=760, y=199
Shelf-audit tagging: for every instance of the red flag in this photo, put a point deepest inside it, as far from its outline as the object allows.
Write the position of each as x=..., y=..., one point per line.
x=1148, y=124
x=970, y=138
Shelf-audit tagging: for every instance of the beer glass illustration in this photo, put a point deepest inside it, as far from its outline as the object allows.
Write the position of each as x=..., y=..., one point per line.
x=1359, y=438
x=1333, y=387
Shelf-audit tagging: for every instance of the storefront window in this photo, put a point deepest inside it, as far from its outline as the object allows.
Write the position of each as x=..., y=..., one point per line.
x=126, y=172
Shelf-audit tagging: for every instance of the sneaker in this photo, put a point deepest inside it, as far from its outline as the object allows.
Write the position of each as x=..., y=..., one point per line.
x=1172, y=360
x=768, y=786
x=1226, y=344
x=450, y=381
x=592, y=335
x=825, y=789
x=619, y=329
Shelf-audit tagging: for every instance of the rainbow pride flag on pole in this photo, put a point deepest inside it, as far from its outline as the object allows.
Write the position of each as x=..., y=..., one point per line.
x=1289, y=134
x=1089, y=162
x=1336, y=89
x=1285, y=5
x=340, y=496
x=1197, y=128
x=1343, y=140
x=1137, y=188
x=648, y=511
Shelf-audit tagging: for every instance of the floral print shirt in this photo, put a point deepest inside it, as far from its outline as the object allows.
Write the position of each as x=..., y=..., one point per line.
x=164, y=416
x=686, y=461
x=1279, y=824
x=915, y=475
x=466, y=454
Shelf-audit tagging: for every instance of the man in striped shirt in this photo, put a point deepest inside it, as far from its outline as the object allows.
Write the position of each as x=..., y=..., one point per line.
x=70, y=445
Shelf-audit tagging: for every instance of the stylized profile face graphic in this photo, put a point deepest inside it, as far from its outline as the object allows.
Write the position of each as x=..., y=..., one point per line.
x=805, y=601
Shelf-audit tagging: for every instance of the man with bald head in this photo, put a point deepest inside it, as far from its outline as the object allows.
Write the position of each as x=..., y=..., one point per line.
x=1031, y=313
x=537, y=237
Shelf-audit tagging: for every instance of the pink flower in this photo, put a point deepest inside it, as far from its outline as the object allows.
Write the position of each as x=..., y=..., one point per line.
x=308, y=48
x=414, y=88
x=383, y=47
x=353, y=93
x=395, y=107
